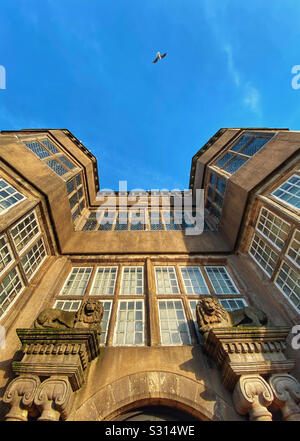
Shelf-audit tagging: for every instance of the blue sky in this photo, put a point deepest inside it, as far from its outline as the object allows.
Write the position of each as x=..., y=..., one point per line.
x=86, y=65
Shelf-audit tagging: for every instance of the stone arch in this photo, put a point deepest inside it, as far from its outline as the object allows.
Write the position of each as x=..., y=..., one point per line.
x=153, y=388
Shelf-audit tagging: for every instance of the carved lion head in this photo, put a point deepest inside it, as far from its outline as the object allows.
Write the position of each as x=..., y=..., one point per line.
x=90, y=312
x=210, y=310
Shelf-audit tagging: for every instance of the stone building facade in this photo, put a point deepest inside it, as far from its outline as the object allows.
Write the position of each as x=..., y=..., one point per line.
x=63, y=246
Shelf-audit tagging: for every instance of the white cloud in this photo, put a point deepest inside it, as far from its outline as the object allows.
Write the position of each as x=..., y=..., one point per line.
x=215, y=13
x=252, y=99
x=230, y=65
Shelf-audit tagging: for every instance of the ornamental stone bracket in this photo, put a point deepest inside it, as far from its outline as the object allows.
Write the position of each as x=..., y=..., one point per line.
x=56, y=354
x=250, y=352
x=243, y=350
x=252, y=395
x=286, y=390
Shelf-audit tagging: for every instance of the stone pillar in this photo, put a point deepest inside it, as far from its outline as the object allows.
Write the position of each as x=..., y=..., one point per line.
x=54, y=399
x=286, y=390
x=19, y=395
x=253, y=395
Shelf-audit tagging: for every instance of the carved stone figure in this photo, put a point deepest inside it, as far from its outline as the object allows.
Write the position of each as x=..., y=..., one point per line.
x=89, y=316
x=211, y=314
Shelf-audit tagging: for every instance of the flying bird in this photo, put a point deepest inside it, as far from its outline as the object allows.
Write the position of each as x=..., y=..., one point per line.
x=159, y=56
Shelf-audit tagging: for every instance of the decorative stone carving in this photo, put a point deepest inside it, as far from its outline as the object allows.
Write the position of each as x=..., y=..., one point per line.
x=89, y=316
x=253, y=395
x=60, y=346
x=54, y=399
x=19, y=395
x=211, y=314
x=243, y=350
x=286, y=390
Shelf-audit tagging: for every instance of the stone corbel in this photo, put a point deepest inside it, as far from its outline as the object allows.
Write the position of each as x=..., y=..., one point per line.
x=252, y=395
x=19, y=395
x=54, y=399
x=286, y=390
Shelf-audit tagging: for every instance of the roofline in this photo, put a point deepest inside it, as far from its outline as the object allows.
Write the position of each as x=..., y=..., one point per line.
x=75, y=140
x=215, y=137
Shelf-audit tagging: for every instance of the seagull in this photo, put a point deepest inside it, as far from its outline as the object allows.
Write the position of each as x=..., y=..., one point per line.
x=159, y=57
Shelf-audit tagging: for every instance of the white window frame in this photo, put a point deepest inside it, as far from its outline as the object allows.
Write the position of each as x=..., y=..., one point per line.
x=266, y=237
x=156, y=280
x=10, y=252
x=67, y=279
x=240, y=299
x=169, y=330
x=229, y=276
x=279, y=287
x=22, y=250
x=95, y=277
x=183, y=280
x=282, y=201
x=29, y=277
x=55, y=306
x=17, y=295
x=108, y=320
x=16, y=191
x=117, y=321
x=122, y=278
x=290, y=246
x=258, y=263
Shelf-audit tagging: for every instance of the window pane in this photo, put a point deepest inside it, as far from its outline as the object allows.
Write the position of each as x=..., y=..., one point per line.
x=273, y=227
x=10, y=288
x=9, y=196
x=68, y=305
x=129, y=329
x=255, y=145
x=240, y=143
x=132, y=280
x=37, y=149
x=6, y=255
x=220, y=280
x=193, y=280
x=66, y=162
x=233, y=304
x=235, y=164
x=34, y=258
x=289, y=191
x=166, y=280
x=25, y=231
x=105, y=280
x=56, y=167
x=51, y=147
x=173, y=324
x=288, y=282
x=294, y=249
x=77, y=281
x=263, y=254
